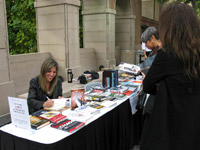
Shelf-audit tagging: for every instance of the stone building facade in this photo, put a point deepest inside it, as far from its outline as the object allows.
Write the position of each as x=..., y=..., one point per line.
x=111, y=29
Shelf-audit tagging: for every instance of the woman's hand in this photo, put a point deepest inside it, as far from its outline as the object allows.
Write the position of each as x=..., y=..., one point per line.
x=143, y=76
x=48, y=103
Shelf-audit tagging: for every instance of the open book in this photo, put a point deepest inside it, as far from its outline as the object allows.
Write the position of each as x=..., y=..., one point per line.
x=129, y=68
x=59, y=104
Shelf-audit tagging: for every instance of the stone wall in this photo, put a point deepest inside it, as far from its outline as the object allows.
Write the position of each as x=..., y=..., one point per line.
x=58, y=31
x=6, y=85
x=24, y=67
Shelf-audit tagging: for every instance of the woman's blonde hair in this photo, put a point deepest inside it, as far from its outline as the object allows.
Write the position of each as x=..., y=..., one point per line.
x=46, y=66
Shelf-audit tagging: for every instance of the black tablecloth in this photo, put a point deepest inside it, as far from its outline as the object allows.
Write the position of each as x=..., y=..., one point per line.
x=116, y=130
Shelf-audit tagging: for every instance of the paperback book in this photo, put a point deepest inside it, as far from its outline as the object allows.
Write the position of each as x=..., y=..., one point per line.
x=110, y=78
x=109, y=103
x=87, y=110
x=97, y=98
x=68, y=125
x=117, y=95
x=39, y=112
x=53, y=116
x=37, y=122
x=129, y=68
x=96, y=105
x=79, y=116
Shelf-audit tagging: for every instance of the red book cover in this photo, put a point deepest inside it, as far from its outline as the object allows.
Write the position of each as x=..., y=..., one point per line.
x=128, y=93
x=53, y=116
x=78, y=125
x=58, y=118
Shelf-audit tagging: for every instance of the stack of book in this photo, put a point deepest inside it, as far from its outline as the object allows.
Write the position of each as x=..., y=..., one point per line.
x=110, y=78
x=37, y=122
x=87, y=110
x=79, y=116
x=68, y=125
x=53, y=116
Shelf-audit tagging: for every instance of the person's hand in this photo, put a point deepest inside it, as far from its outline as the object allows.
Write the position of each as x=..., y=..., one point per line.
x=145, y=57
x=48, y=103
x=143, y=76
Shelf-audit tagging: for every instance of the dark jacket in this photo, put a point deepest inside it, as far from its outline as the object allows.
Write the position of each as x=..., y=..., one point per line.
x=175, y=120
x=37, y=97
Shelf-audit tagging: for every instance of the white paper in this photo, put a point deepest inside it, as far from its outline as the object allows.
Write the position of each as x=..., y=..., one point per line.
x=19, y=113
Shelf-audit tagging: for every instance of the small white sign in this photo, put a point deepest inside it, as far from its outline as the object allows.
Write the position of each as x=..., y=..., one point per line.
x=19, y=113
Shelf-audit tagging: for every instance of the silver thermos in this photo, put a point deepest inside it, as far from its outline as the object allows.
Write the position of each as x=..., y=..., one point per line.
x=70, y=75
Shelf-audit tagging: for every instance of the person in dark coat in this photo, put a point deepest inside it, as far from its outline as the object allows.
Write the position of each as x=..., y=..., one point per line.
x=174, y=123
x=45, y=87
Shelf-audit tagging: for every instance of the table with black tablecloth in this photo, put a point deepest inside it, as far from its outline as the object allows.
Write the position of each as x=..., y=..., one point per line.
x=117, y=129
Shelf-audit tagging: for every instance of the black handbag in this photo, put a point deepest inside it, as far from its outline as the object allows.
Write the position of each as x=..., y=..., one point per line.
x=141, y=99
x=149, y=105
x=94, y=74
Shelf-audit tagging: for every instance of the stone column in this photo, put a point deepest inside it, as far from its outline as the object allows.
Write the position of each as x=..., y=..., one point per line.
x=125, y=35
x=6, y=85
x=58, y=32
x=137, y=11
x=99, y=30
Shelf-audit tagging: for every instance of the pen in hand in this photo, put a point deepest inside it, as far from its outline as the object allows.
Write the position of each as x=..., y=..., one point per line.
x=48, y=103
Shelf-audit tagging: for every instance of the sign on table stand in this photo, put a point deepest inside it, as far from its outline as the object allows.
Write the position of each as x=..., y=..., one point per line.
x=19, y=113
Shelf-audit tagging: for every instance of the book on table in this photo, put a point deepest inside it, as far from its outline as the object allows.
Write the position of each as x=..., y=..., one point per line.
x=95, y=105
x=68, y=125
x=77, y=98
x=79, y=116
x=108, y=103
x=53, y=116
x=37, y=122
x=118, y=96
x=87, y=110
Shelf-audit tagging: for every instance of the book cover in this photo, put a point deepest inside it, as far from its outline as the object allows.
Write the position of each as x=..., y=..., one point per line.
x=37, y=122
x=87, y=110
x=117, y=95
x=53, y=116
x=109, y=103
x=58, y=118
x=129, y=92
x=68, y=125
x=39, y=112
x=130, y=68
x=77, y=98
x=122, y=89
x=79, y=116
x=97, y=98
x=110, y=78
x=96, y=105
